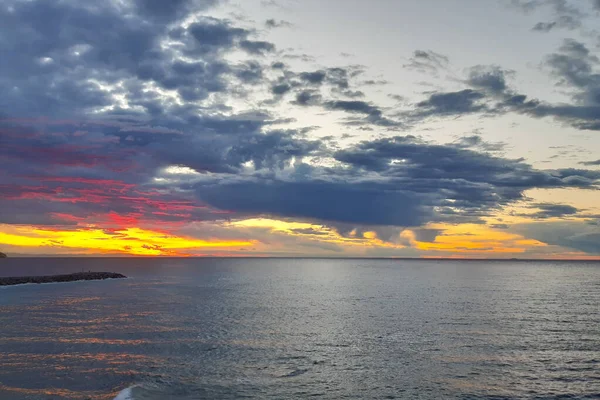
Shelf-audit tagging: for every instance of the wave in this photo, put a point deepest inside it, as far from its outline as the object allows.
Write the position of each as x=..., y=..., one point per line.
x=126, y=394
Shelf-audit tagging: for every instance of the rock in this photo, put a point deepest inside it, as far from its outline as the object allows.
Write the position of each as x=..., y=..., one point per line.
x=78, y=276
x=2, y=255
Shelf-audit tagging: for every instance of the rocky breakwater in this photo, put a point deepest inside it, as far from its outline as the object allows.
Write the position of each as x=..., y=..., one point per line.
x=78, y=276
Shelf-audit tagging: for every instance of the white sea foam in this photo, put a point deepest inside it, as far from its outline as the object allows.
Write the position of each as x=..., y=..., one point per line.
x=126, y=394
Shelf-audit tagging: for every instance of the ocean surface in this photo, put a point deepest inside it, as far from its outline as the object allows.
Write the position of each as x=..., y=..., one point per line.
x=302, y=328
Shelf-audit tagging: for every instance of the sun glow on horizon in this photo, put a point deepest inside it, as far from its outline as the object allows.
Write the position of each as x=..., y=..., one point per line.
x=131, y=240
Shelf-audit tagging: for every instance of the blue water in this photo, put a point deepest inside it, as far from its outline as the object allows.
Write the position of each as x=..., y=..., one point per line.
x=281, y=328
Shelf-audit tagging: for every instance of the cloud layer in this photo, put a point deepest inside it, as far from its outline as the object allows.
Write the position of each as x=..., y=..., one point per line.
x=156, y=114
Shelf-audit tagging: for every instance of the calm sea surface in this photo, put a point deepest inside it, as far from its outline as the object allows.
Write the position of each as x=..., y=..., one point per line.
x=302, y=328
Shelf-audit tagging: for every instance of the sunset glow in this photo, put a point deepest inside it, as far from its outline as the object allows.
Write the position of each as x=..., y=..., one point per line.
x=134, y=241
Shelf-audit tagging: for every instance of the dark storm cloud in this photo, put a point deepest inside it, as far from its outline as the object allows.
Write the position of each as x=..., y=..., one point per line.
x=320, y=200
x=399, y=181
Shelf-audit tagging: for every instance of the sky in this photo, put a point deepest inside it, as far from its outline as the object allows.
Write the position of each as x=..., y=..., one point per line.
x=339, y=128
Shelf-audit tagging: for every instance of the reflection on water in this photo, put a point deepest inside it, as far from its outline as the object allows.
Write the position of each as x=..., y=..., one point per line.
x=191, y=329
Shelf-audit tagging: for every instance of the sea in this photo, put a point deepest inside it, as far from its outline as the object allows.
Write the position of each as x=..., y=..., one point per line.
x=209, y=328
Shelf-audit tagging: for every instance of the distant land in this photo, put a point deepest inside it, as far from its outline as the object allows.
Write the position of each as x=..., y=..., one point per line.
x=2, y=255
x=78, y=276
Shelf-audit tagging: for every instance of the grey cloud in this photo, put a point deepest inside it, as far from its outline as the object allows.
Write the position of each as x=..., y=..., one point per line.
x=451, y=103
x=564, y=21
x=321, y=200
x=567, y=16
x=273, y=23
x=499, y=226
x=352, y=93
x=374, y=115
x=336, y=76
x=427, y=235
x=553, y=210
x=307, y=98
x=354, y=106
x=590, y=163
x=427, y=61
x=400, y=181
x=373, y=82
x=574, y=66
x=571, y=234
x=316, y=77
x=492, y=78
x=250, y=72
x=280, y=88
x=476, y=141
x=257, y=47
x=173, y=9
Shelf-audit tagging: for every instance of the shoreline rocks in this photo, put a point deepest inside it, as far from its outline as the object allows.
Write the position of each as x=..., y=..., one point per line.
x=78, y=276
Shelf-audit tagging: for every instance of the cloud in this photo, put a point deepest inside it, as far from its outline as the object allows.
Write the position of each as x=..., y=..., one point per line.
x=315, y=77
x=427, y=235
x=553, y=210
x=451, y=103
x=307, y=97
x=427, y=61
x=566, y=15
x=491, y=78
x=374, y=115
x=564, y=21
x=590, y=163
x=273, y=23
x=477, y=142
x=257, y=47
x=574, y=235
x=156, y=122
